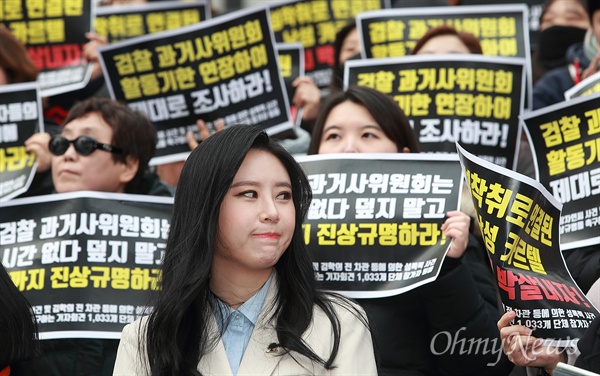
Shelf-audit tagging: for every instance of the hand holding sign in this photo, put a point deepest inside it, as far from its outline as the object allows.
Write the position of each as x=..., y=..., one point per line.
x=90, y=52
x=38, y=145
x=204, y=132
x=456, y=226
x=523, y=349
x=307, y=97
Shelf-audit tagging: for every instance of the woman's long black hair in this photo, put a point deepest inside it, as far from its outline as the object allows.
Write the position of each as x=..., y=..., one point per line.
x=18, y=328
x=178, y=328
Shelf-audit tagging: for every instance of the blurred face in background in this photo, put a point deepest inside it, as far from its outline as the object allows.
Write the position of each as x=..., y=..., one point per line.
x=565, y=13
x=443, y=44
x=350, y=46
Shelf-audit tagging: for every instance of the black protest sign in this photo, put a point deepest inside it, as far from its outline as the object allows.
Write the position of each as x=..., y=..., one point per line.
x=374, y=231
x=54, y=34
x=315, y=23
x=223, y=68
x=20, y=118
x=118, y=22
x=502, y=30
x=473, y=99
x=86, y=261
x=565, y=139
x=519, y=218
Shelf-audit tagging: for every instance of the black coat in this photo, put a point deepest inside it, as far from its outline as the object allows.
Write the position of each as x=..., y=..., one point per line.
x=550, y=89
x=462, y=302
x=589, y=346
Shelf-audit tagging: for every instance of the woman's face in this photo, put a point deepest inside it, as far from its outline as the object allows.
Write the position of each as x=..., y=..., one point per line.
x=98, y=171
x=350, y=128
x=444, y=44
x=350, y=46
x=257, y=217
x=565, y=13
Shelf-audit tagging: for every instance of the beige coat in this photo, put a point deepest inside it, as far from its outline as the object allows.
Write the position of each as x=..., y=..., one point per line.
x=355, y=356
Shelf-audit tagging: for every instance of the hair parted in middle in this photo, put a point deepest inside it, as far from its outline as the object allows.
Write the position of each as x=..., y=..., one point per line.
x=469, y=40
x=388, y=115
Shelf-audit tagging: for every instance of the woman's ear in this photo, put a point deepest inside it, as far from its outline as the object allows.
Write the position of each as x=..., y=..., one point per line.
x=405, y=150
x=129, y=169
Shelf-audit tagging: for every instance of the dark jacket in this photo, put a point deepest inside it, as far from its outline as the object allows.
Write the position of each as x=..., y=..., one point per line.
x=589, y=346
x=462, y=302
x=71, y=357
x=584, y=265
x=550, y=89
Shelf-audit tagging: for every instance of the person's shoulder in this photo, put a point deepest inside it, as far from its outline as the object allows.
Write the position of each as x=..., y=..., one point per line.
x=577, y=51
x=556, y=74
x=134, y=328
x=153, y=186
x=346, y=309
x=550, y=88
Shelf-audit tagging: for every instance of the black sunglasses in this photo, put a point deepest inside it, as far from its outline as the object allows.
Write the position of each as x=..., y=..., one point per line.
x=84, y=145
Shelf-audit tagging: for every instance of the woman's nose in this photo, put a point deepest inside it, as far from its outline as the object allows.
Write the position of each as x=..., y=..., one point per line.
x=269, y=212
x=350, y=147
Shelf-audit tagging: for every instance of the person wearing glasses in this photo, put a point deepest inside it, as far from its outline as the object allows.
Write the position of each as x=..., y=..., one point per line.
x=102, y=146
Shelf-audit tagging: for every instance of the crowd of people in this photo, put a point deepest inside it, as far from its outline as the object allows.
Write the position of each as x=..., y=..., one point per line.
x=238, y=293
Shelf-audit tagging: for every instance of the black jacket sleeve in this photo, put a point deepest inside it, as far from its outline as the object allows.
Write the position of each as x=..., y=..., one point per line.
x=463, y=309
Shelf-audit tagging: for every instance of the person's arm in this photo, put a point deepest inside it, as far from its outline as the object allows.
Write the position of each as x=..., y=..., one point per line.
x=462, y=316
x=463, y=308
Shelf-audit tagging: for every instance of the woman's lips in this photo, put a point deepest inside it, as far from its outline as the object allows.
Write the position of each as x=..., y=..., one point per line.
x=268, y=235
x=67, y=172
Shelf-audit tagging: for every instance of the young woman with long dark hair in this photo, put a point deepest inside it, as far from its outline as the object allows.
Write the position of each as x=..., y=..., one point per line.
x=238, y=294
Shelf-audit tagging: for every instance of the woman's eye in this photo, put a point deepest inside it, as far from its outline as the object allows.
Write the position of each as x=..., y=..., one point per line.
x=284, y=196
x=332, y=136
x=249, y=194
x=369, y=135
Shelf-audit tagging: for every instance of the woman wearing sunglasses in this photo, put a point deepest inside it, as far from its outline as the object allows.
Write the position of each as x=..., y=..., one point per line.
x=103, y=146
x=80, y=163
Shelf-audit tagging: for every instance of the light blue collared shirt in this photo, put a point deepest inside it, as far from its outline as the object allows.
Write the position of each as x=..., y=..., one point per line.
x=236, y=325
